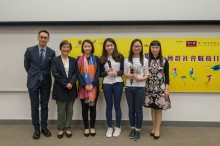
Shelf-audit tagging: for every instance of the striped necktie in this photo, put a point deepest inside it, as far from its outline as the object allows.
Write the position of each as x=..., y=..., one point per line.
x=41, y=62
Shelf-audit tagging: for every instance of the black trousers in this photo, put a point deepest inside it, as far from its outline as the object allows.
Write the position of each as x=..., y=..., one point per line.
x=39, y=95
x=85, y=110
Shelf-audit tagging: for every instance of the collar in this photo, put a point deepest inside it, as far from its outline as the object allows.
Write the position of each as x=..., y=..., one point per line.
x=39, y=47
x=155, y=58
x=67, y=60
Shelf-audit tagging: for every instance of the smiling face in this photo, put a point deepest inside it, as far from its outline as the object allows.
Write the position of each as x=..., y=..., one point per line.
x=65, y=49
x=137, y=48
x=87, y=48
x=155, y=50
x=43, y=39
x=109, y=48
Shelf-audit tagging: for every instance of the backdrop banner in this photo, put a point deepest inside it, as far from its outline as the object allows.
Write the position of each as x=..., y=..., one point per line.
x=194, y=64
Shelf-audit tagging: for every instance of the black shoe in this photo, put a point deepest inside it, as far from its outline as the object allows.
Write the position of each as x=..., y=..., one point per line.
x=36, y=134
x=132, y=134
x=156, y=137
x=92, y=134
x=137, y=136
x=86, y=134
x=68, y=135
x=60, y=136
x=46, y=132
x=151, y=134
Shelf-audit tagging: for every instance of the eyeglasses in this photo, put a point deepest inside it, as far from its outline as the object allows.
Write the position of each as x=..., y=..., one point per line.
x=137, y=47
x=41, y=37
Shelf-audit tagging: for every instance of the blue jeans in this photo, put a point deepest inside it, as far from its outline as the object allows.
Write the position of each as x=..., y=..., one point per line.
x=135, y=99
x=113, y=93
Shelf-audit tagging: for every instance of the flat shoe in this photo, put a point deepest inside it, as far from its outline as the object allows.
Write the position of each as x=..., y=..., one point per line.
x=60, y=136
x=86, y=134
x=68, y=135
x=151, y=134
x=93, y=134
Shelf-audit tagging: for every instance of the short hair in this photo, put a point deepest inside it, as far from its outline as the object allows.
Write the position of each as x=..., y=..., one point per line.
x=65, y=42
x=90, y=42
x=44, y=32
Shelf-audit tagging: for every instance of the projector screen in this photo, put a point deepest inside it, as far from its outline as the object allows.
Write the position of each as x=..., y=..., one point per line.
x=108, y=10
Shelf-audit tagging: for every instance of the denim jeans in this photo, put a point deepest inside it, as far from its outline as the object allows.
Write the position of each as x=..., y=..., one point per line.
x=135, y=99
x=113, y=93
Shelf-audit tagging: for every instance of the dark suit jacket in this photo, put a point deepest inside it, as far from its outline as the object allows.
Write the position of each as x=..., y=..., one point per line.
x=60, y=91
x=33, y=68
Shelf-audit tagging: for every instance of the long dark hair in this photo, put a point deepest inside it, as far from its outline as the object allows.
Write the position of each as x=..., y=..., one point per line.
x=155, y=43
x=131, y=53
x=115, y=55
x=90, y=42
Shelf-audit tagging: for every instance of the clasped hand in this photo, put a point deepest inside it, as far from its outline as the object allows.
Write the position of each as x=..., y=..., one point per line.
x=112, y=73
x=69, y=86
x=89, y=88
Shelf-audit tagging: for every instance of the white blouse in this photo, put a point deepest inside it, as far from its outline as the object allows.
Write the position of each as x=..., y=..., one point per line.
x=139, y=70
x=116, y=67
x=66, y=66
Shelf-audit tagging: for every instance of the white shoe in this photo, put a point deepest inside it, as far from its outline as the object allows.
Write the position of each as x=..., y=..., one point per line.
x=109, y=132
x=117, y=132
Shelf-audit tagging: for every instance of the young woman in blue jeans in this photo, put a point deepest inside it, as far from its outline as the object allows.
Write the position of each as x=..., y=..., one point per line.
x=112, y=68
x=136, y=73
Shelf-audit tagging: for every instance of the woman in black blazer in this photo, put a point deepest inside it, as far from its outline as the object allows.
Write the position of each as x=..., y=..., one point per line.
x=64, y=89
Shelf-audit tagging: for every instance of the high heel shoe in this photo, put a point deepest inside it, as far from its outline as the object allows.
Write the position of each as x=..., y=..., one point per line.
x=151, y=134
x=156, y=137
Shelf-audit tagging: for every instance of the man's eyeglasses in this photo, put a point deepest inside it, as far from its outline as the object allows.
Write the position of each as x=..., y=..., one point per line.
x=41, y=37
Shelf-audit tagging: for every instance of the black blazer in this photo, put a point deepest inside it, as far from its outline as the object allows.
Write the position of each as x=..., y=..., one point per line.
x=33, y=68
x=60, y=91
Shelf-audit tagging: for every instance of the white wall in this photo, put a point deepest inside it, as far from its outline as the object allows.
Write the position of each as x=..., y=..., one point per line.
x=15, y=103
x=105, y=10
x=185, y=107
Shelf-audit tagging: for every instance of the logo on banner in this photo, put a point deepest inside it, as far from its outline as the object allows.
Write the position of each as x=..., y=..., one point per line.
x=191, y=43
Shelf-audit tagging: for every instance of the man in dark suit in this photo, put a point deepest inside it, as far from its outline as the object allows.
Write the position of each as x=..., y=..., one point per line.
x=37, y=63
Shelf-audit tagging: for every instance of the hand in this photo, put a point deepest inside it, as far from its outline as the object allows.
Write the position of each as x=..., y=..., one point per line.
x=138, y=79
x=109, y=70
x=113, y=74
x=166, y=92
x=89, y=87
x=131, y=76
x=69, y=86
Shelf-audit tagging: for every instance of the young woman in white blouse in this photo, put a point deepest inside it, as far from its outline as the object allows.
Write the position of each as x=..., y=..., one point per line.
x=136, y=73
x=112, y=68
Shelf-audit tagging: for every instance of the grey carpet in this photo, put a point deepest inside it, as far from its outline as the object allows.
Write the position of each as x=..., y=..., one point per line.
x=21, y=135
